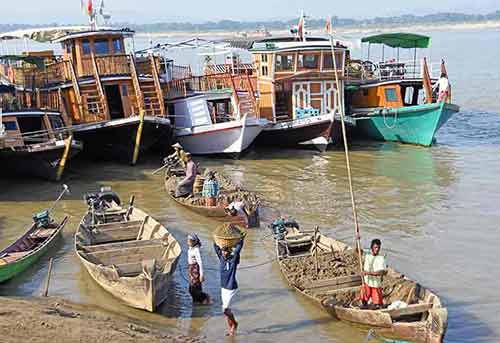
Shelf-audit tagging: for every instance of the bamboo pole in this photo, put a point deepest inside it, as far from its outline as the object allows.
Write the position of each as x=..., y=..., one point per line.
x=348, y=165
x=138, y=137
x=47, y=282
x=62, y=162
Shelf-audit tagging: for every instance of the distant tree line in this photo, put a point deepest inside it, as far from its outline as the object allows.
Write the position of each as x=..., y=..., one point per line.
x=312, y=23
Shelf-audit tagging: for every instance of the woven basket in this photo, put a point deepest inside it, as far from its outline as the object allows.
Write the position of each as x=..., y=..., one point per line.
x=225, y=241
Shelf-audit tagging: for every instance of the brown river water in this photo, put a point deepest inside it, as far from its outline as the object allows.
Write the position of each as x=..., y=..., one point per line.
x=435, y=209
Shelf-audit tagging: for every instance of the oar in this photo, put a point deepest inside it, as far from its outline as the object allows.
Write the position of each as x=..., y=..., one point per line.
x=159, y=169
x=65, y=190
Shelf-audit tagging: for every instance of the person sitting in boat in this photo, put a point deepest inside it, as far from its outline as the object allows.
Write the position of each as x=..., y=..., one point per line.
x=211, y=189
x=237, y=207
x=178, y=156
x=374, y=269
x=185, y=187
x=229, y=260
x=443, y=85
x=195, y=271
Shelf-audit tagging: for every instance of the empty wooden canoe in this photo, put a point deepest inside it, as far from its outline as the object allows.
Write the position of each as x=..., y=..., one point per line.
x=129, y=254
x=424, y=320
x=28, y=249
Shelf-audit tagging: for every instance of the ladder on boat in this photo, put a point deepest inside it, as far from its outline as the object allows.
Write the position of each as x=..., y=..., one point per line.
x=147, y=86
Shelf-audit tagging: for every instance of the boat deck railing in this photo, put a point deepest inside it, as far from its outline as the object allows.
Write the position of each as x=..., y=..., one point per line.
x=391, y=70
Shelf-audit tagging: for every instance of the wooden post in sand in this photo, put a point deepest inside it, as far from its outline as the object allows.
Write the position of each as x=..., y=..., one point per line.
x=47, y=283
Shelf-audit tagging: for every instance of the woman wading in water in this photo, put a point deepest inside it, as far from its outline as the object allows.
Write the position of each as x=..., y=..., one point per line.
x=195, y=271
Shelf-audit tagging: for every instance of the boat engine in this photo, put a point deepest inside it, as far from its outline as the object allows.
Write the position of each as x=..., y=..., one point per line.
x=102, y=200
x=280, y=225
x=42, y=219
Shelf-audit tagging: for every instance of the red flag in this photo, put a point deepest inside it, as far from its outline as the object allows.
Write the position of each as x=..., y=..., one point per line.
x=328, y=25
x=90, y=8
x=300, y=28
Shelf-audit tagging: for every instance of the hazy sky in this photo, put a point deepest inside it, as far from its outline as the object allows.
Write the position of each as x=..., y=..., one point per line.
x=143, y=11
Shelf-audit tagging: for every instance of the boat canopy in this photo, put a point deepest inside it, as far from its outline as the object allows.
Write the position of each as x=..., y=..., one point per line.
x=399, y=40
x=42, y=35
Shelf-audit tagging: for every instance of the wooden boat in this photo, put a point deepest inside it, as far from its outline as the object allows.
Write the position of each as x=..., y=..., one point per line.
x=386, y=99
x=228, y=190
x=424, y=320
x=127, y=252
x=29, y=248
x=111, y=98
x=33, y=145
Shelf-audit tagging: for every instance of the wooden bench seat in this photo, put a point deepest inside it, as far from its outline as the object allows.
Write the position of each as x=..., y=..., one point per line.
x=410, y=310
x=118, y=245
x=331, y=286
x=14, y=256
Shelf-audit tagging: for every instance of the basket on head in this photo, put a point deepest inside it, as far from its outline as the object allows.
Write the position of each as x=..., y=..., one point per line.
x=227, y=235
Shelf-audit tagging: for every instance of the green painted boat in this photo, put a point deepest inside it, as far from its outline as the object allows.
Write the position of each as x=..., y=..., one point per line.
x=28, y=249
x=410, y=124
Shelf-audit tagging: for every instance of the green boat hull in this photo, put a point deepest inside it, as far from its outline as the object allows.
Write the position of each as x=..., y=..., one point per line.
x=10, y=270
x=412, y=124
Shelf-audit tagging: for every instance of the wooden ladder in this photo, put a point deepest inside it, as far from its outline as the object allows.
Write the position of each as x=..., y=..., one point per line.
x=100, y=90
x=136, y=83
x=156, y=79
x=76, y=89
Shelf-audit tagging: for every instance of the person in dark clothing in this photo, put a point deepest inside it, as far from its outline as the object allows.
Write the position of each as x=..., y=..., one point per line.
x=229, y=260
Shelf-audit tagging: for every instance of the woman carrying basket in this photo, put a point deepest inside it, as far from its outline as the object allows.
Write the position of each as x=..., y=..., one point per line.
x=195, y=271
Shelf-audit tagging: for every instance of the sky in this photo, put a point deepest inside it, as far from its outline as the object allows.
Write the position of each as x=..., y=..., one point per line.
x=144, y=11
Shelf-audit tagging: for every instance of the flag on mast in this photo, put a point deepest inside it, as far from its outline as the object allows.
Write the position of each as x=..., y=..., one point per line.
x=90, y=8
x=328, y=25
x=301, y=28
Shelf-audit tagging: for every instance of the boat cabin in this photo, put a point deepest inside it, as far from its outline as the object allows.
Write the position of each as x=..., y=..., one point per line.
x=295, y=78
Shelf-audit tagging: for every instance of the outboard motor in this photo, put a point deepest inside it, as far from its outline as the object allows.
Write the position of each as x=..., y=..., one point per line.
x=102, y=199
x=42, y=219
x=280, y=225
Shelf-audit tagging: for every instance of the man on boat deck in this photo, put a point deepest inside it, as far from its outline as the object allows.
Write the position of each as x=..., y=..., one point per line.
x=374, y=269
x=443, y=85
x=229, y=286
x=185, y=187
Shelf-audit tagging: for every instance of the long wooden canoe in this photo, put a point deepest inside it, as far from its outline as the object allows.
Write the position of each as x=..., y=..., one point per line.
x=217, y=212
x=424, y=320
x=28, y=249
x=129, y=254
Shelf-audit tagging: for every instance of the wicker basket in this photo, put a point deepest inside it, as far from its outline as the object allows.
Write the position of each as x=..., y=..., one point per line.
x=224, y=241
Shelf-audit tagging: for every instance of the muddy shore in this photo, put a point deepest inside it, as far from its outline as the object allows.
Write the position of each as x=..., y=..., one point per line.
x=58, y=320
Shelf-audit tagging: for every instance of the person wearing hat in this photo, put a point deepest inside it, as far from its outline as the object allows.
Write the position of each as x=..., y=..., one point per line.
x=211, y=189
x=185, y=187
x=195, y=271
x=178, y=155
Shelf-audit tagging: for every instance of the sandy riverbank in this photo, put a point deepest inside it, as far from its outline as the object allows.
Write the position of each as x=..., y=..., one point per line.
x=356, y=31
x=57, y=320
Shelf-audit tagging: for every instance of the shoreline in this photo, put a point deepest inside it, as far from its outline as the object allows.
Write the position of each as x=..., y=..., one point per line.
x=53, y=319
x=466, y=26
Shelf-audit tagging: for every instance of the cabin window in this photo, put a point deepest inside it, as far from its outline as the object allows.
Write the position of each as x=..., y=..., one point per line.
x=263, y=57
x=309, y=61
x=124, y=90
x=390, y=95
x=10, y=125
x=68, y=47
x=86, y=47
x=56, y=122
x=285, y=62
x=265, y=71
x=117, y=45
x=101, y=47
x=328, y=60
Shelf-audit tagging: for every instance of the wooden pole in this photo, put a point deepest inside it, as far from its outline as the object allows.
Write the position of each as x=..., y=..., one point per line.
x=62, y=162
x=138, y=138
x=47, y=283
x=316, y=231
x=346, y=150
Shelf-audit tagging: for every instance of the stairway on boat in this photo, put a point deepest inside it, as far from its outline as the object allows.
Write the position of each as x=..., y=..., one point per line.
x=246, y=104
x=93, y=102
x=152, y=95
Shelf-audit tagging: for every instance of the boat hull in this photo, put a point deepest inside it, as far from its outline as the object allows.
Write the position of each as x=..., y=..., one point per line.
x=116, y=139
x=10, y=270
x=414, y=124
x=292, y=133
x=42, y=162
x=222, y=138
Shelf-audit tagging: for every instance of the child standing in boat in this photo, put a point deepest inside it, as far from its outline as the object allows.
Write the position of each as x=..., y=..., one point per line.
x=374, y=269
x=195, y=271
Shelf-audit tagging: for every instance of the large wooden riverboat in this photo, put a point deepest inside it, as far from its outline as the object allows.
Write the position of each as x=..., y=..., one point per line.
x=112, y=99
x=393, y=100
x=33, y=143
x=297, y=88
x=127, y=252
x=325, y=270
